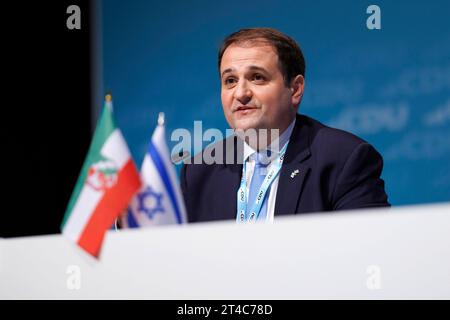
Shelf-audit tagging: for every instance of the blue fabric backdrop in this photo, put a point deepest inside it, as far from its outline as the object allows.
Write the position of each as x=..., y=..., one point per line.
x=390, y=86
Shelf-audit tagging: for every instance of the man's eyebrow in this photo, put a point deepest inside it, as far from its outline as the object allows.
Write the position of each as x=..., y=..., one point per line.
x=256, y=68
x=252, y=68
x=227, y=71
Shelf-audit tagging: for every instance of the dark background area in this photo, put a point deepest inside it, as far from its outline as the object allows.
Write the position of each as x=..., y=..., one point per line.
x=46, y=113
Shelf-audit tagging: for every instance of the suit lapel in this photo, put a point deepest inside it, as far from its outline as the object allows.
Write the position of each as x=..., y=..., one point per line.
x=293, y=172
x=228, y=203
x=231, y=174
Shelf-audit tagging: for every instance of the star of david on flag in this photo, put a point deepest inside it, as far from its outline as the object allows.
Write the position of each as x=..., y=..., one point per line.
x=160, y=200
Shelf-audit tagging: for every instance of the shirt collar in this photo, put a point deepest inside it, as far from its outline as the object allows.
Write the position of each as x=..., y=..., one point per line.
x=283, y=139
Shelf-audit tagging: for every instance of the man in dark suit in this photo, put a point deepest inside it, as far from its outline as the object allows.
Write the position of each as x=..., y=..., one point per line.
x=308, y=167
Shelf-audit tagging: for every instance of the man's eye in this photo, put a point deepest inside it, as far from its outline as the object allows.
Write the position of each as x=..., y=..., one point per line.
x=230, y=81
x=258, y=77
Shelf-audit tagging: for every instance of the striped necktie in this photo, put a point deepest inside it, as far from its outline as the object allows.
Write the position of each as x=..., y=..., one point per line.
x=259, y=174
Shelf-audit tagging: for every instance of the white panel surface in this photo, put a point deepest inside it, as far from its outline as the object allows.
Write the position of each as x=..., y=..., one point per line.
x=402, y=253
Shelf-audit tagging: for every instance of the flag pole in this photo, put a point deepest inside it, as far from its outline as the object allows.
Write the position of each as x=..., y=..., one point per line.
x=108, y=101
x=161, y=119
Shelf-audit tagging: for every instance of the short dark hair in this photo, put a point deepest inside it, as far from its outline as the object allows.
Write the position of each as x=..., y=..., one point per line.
x=290, y=56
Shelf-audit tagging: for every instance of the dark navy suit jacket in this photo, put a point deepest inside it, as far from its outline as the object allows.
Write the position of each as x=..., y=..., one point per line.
x=336, y=171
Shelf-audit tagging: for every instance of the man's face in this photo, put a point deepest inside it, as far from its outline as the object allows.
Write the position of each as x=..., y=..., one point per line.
x=253, y=91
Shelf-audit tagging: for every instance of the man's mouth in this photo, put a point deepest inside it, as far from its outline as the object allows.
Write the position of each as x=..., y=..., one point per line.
x=244, y=108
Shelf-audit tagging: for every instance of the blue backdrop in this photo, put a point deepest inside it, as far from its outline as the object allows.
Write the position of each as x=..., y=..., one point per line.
x=389, y=86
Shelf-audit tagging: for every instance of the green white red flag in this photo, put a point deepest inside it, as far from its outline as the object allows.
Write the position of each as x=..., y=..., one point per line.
x=107, y=182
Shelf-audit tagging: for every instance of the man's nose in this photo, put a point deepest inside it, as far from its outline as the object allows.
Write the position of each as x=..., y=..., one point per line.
x=243, y=93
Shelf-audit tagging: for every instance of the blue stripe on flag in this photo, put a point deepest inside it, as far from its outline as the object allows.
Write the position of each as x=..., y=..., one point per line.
x=132, y=223
x=165, y=178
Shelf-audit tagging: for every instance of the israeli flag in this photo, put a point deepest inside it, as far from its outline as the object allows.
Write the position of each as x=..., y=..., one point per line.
x=160, y=200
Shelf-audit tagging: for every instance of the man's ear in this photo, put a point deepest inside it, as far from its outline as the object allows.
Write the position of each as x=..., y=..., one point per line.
x=297, y=87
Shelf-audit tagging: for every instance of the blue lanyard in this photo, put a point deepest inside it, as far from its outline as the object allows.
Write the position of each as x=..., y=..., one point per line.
x=275, y=168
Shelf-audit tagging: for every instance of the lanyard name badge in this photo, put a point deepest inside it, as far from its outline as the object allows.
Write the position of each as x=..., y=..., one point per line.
x=242, y=215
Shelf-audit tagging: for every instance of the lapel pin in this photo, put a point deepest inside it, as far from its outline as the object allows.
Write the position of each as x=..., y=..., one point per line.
x=294, y=173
